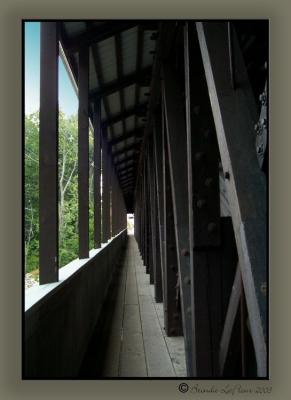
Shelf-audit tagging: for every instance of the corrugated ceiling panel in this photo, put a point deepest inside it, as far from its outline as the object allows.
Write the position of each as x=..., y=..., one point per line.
x=149, y=45
x=119, y=158
x=117, y=147
x=130, y=153
x=140, y=123
x=125, y=164
x=129, y=96
x=109, y=135
x=114, y=103
x=117, y=129
x=75, y=28
x=129, y=50
x=142, y=91
x=107, y=57
x=129, y=123
x=129, y=141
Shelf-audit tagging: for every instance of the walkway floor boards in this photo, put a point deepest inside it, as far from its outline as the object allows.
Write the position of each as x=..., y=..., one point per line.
x=133, y=328
x=144, y=348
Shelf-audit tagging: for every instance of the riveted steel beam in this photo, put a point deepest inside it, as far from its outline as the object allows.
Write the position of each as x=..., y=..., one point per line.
x=234, y=110
x=177, y=150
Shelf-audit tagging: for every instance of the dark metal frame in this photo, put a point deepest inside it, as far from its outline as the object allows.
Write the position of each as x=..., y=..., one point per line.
x=48, y=155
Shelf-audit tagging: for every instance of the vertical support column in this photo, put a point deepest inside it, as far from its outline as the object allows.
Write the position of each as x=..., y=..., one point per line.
x=110, y=177
x=105, y=188
x=97, y=173
x=234, y=110
x=149, y=206
x=113, y=200
x=204, y=215
x=172, y=301
x=155, y=229
x=48, y=155
x=83, y=153
x=158, y=157
x=177, y=151
x=145, y=200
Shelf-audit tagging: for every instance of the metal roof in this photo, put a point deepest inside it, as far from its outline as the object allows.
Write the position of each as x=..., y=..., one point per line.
x=120, y=66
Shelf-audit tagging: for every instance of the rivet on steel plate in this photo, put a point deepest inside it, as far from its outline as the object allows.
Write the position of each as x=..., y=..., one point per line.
x=185, y=252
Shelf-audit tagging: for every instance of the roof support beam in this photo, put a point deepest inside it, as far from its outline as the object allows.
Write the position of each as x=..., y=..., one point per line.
x=118, y=52
x=134, y=146
x=138, y=111
x=127, y=180
x=142, y=78
x=135, y=133
x=128, y=187
x=129, y=158
x=126, y=171
x=131, y=154
x=95, y=35
x=139, y=54
x=127, y=177
x=98, y=68
x=132, y=163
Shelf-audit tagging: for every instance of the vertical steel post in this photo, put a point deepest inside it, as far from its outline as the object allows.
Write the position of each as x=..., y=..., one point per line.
x=105, y=188
x=158, y=158
x=177, y=150
x=172, y=307
x=97, y=173
x=48, y=154
x=204, y=216
x=83, y=153
x=156, y=266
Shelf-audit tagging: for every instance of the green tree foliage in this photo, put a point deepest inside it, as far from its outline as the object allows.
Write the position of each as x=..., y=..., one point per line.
x=31, y=198
x=68, y=190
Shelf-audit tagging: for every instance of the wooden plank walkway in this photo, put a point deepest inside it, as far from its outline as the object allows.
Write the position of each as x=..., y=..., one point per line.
x=137, y=344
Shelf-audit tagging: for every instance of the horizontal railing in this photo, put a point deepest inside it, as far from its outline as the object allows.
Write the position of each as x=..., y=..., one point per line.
x=60, y=317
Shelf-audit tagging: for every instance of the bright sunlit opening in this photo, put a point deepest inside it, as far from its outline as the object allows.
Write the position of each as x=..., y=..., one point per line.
x=130, y=224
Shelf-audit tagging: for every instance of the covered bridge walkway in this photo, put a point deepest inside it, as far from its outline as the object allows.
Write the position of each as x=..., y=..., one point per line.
x=179, y=118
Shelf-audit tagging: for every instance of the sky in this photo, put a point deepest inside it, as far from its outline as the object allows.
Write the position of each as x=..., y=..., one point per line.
x=68, y=102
